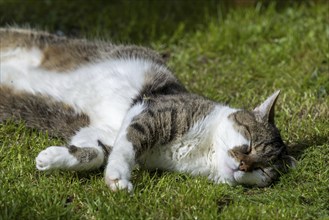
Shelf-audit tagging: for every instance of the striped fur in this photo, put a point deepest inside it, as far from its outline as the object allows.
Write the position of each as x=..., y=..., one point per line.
x=41, y=112
x=166, y=119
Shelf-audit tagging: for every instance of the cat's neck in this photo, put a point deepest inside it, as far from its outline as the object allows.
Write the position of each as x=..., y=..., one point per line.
x=224, y=137
x=212, y=134
x=217, y=126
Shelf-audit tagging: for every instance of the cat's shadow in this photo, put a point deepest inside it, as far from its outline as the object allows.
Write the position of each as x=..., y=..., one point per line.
x=295, y=149
x=298, y=148
x=87, y=177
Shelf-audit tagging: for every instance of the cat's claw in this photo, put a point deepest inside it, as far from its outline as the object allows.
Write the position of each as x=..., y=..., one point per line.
x=116, y=180
x=119, y=184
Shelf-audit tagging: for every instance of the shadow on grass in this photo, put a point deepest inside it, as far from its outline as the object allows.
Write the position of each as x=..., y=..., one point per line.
x=139, y=21
x=85, y=177
x=223, y=202
x=297, y=149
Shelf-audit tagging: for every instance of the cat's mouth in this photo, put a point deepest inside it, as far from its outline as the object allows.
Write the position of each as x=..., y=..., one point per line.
x=252, y=176
x=263, y=176
x=258, y=177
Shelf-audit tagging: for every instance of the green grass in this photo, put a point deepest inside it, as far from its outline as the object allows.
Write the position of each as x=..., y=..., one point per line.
x=238, y=60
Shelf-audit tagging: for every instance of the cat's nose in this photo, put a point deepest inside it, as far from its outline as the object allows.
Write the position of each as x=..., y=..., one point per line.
x=245, y=167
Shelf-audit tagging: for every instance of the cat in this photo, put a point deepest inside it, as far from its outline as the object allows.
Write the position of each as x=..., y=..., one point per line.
x=119, y=106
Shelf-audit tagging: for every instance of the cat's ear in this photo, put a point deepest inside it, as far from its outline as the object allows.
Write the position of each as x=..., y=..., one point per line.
x=265, y=111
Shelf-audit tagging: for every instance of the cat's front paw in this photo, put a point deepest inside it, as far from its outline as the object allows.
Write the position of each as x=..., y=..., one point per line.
x=117, y=179
x=54, y=158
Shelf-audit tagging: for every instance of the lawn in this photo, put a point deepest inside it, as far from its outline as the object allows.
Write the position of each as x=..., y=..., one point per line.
x=237, y=57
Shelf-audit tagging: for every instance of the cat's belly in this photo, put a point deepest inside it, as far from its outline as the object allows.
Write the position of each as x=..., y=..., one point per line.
x=104, y=91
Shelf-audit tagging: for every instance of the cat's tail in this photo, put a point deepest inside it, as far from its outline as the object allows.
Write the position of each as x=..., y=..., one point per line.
x=40, y=112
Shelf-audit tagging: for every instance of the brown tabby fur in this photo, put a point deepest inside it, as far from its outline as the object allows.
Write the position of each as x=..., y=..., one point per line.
x=40, y=112
x=62, y=54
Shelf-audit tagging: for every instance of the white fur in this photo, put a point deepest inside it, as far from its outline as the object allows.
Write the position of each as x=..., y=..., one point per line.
x=58, y=157
x=104, y=91
x=203, y=150
x=95, y=89
x=55, y=158
x=122, y=158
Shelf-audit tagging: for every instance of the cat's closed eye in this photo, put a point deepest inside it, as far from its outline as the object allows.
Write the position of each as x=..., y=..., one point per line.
x=240, y=152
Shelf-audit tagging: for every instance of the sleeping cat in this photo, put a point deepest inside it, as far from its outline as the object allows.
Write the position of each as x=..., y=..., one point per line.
x=121, y=106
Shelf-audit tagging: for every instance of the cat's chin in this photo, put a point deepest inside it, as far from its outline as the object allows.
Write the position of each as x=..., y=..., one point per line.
x=255, y=178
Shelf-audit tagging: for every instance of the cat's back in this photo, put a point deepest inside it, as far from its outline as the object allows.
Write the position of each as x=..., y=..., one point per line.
x=63, y=54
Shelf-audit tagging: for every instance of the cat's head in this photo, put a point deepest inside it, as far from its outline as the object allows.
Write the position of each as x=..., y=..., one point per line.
x=265, y=156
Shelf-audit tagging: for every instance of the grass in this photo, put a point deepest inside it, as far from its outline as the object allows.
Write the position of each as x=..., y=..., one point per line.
x=238, y=60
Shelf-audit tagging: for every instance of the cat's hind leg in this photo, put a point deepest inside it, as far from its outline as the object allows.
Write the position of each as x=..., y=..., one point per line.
x=41, y=112
x=89, y=146
x=72, y=157
x=88, y=150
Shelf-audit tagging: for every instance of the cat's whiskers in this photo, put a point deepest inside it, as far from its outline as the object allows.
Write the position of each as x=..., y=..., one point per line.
x=264, y=172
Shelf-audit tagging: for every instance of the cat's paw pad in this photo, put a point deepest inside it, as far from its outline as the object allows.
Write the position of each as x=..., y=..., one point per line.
x=51, y=158
x=115, y=181
x=119, y=184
